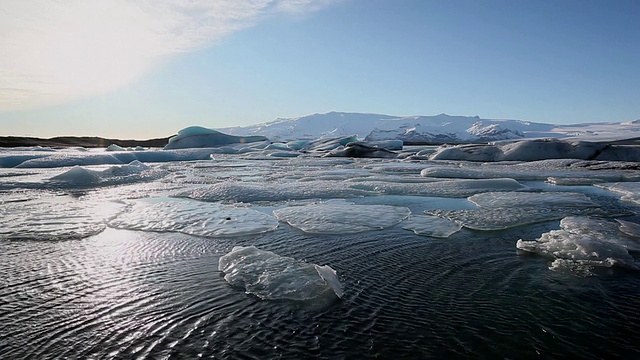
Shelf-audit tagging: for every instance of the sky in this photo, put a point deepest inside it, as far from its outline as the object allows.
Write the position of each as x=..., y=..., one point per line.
x=148, y=68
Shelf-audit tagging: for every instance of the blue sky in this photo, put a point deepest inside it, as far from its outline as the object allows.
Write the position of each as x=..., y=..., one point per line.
x=149, y=70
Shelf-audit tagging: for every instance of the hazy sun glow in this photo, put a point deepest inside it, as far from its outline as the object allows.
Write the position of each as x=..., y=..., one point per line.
x=56, y=51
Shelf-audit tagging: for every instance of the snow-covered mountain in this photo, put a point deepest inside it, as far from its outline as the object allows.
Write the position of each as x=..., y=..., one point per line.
x=427, y=129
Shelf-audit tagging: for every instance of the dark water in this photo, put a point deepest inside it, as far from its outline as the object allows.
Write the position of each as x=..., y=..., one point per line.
x=124, y=294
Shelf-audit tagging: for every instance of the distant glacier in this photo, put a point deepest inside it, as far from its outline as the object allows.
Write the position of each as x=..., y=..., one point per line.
x=441, y=128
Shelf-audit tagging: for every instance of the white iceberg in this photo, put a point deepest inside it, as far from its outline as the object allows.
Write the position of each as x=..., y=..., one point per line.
x=273, y=277
x=340, y=217
x=583, y=243
x=193, y=217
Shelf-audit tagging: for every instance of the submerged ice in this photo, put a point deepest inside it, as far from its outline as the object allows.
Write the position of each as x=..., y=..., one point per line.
x=583, y=243
x=433, y=226
x=273, y=277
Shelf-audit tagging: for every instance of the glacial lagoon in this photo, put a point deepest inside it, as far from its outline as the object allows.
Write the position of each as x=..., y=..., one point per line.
x=189, y=254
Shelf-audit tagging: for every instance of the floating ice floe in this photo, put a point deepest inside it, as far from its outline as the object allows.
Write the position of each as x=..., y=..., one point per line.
x=115, y=175
x=629, y=191
x=531, y=199
x=431, y=226
x=446, y=188
x=193, y=217
x=481, y=173
x=54, y=218
x=556, y=171
x=73, y=157
x=580, y=181
x=269, y=191
x=505, y=218
x=584, y=243
x=273, y=277
x=340, y=217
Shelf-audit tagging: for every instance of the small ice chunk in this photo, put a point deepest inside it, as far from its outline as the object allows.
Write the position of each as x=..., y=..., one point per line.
x=273, y=277
x=583, y=243
x=340, y=217
x=531, y=199
x=193, y=217
x=330, y=276
x=114, y=147
x=78, y=176
x=433, y=226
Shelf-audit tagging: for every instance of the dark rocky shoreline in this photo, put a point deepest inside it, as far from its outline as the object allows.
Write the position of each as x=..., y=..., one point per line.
x=83, y=141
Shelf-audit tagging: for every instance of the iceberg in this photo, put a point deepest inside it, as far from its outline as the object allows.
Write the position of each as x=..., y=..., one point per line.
x=583, y=243
x=341, y=217
x=328, y=144
x=361, y=150
x=193, y=218
x=538, y=149
x=273, y=277
x=200, y=137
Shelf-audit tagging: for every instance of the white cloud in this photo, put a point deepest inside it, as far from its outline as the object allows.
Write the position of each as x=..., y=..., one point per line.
x=53, y=51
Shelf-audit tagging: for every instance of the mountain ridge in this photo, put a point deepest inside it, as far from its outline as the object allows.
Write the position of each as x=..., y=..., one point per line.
x=371, y=126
